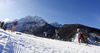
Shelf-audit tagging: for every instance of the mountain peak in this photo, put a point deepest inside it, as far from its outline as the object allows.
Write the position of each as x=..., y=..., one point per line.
x=29, y=22
x=55, y=24
x=31, y=18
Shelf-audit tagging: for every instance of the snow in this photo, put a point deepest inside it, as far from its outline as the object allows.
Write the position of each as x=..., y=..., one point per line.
x=28, y=22
x=92, y=38
x=16, y=42
x=76, y=38
x=55, y=24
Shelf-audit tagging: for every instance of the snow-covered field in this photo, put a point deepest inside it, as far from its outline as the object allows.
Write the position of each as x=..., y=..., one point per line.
x=12, y=42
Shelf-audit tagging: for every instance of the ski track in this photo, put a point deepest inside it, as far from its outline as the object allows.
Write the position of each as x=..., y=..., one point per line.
x=24, y=43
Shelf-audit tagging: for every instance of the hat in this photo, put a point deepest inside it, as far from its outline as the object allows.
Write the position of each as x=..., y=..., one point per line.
x=78, y=30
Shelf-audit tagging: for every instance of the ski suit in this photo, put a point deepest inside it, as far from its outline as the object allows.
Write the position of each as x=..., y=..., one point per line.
x=45, y=34
x=81, y=37
x=58, y=35
x=2, y=24
x=5, y=27
x=14, y=25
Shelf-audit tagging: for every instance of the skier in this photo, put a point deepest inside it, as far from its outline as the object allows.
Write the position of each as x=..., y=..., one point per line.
x=80, y=35
x=45, y=34
x=5, y=26
x=57, y=34
x=96, y=43
x=31, y=31
x=14, y=26
x=2, y=24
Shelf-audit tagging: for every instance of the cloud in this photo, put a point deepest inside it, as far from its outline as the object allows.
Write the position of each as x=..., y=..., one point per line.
x=6, y=20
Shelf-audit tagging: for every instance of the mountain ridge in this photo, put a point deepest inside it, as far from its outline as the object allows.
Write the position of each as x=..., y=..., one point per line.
x=39, y=26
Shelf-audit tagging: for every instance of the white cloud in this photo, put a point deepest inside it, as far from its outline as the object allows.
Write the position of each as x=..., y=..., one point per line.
x=6, y=20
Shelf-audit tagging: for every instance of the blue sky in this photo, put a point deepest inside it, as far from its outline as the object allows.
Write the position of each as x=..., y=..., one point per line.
x=86, y=12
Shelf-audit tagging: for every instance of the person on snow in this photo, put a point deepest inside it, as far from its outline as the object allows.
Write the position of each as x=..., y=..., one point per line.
x=2, y=24
x=31, y=31
x=57, y=34
x=45, y=34
x=96, y=43
x=5, y=26
x=14, y=26
x=80, y=35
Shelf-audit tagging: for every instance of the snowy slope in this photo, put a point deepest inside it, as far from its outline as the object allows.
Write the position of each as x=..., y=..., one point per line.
x=76, y=38
x=10, y=42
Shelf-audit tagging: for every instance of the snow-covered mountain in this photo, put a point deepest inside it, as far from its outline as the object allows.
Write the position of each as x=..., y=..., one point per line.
x=28, y=22
x=93, y=38
x=16, y=42
x=39, y=26
x=55, y=24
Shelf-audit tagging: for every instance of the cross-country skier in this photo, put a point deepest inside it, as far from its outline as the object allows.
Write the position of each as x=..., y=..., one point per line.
x=80, y=35
x=57, y=34
x=14, y=26
x=45, y=34
x=2, y=24
x=96, y=43
x=5, y=26
x=31, y=32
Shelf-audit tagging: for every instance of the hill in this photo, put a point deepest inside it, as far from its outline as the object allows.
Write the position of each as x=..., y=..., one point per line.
x=69, y=30
x=27, y=23
x=39, y=26
x=14, y=42
x=46, y=28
